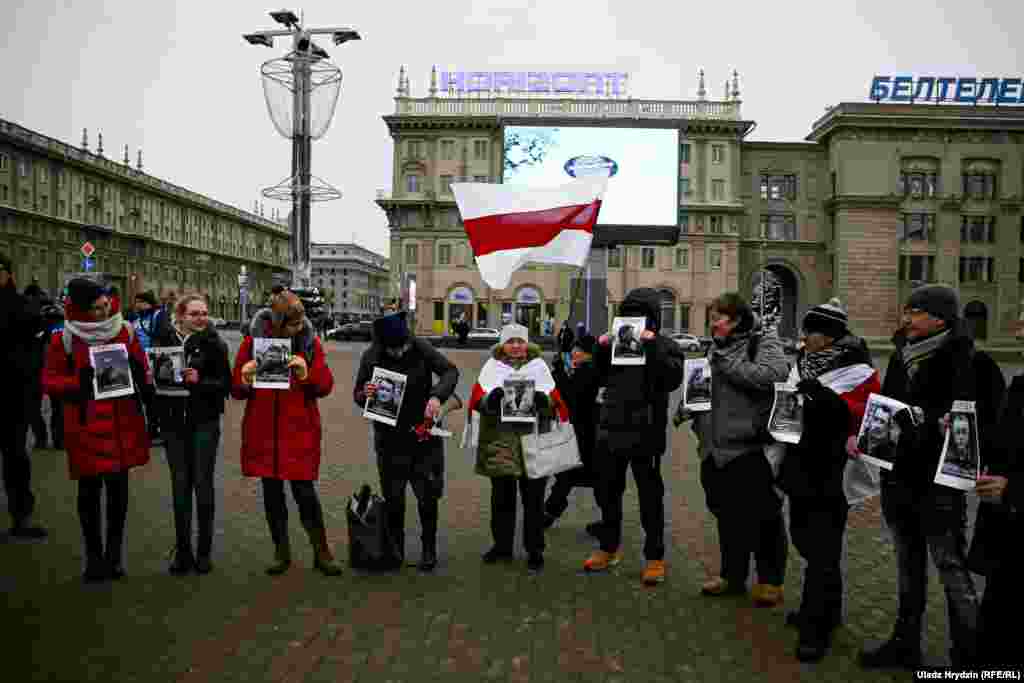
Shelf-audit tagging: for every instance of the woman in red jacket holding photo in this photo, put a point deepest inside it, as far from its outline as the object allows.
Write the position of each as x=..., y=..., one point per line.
x=281, y=430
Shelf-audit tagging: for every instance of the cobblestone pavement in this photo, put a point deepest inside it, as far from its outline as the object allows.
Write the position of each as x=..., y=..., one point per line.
x=467, y=622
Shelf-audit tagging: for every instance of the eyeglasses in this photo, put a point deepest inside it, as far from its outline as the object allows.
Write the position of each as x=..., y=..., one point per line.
x=198, y=314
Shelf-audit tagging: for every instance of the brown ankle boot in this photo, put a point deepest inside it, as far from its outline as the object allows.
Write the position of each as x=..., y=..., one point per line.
x=323, y=559
x=282, y=559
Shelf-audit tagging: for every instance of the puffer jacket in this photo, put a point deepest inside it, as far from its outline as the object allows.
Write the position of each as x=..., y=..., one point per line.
x=206, y=352
x=500, y=449
x=633, y=417
x=742, y=391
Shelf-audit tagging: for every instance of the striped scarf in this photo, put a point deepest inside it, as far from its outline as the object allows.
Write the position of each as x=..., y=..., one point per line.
x=916, y=352
x=813, y=365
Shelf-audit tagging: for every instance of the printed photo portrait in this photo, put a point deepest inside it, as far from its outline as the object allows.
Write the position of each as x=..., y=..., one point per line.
x=627, y=348
x=113, y=377
x=386, y=402
x=518, y=404
x=272, y=356
x=697, y=387
x=168, y=366
x=786, y=422
x=960, y=461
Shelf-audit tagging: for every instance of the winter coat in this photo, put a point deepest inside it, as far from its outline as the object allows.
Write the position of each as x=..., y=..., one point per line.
x=105, y=436
x=998, y=524
x=956, y=371
x=817, y=467
x=500, y=448
x=633, y=417
x=742, y=392
x=420, y=363
x=20, y=324
x=281, y=430
x=206, y=352
x=580, y=395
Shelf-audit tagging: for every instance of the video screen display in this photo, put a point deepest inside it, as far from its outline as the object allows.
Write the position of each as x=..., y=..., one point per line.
x=643, y=189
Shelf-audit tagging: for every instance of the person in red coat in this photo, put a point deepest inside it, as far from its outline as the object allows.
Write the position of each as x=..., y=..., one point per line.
x=281, y=430
x=103, y=438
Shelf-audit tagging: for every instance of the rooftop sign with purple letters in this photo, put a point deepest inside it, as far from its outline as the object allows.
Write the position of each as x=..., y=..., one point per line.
x=550, y=82
x=960, y=89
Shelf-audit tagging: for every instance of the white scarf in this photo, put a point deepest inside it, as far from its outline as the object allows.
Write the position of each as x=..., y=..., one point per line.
x=96, y=333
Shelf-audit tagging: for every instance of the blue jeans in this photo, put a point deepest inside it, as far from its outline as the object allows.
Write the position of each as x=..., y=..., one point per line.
x=923, y=520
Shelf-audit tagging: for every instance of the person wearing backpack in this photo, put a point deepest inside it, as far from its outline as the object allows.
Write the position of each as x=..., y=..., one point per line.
x=104, y=438
x=192, y=428
x=736, y=451
x=407, y=457
x=281, y=430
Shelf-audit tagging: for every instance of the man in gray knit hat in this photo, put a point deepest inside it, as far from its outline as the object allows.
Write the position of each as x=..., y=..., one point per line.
x=935, y=363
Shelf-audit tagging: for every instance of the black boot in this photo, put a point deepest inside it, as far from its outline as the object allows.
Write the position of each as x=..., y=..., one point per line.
x=901, y=651
x=496, y=554
x=428, y=561
x=96, y=569
x=813, y=642
x=183, y=562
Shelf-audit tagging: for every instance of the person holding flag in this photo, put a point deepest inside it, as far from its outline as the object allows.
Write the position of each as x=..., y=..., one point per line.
x=500, y=451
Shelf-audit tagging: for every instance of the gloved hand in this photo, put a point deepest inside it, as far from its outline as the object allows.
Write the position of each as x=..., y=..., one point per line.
x=494, y=400
x=809, y=387
x=85, y=389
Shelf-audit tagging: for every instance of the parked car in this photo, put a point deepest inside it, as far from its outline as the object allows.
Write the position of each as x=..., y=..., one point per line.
x=218, y=323
x=687, y=342
x=485, y=334
x=362, y=331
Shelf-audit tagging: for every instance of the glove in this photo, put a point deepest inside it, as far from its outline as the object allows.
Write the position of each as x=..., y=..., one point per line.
x=809, y=387
x=494, y=400
x=85, y=389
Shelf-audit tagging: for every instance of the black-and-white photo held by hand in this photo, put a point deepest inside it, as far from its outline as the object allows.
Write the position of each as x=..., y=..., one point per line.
x=960, y=461
x=884, y=421
x=627, y=347
x=272, y=356
x=786, y=421
x=697, y=384
x=386, y=401
x=112, y=372
x=518, y=404
x=168, y=366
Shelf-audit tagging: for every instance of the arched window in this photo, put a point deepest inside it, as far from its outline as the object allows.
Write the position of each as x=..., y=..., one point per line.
x=976, y=317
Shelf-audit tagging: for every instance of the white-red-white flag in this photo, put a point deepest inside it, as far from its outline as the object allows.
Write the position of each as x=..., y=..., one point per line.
x=509, y=226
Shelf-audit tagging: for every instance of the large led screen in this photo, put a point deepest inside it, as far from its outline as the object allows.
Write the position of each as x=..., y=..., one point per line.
x=642, y=190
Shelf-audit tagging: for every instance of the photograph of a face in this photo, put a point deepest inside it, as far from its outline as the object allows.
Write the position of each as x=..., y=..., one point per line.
x=960, y=461
x=112, y=376
x=697, y=384
x=272, y=356
x=627, y=349
x=518, y=404
x=168, y=366
x=879, y=435
x=786, y=421
x=386, y=402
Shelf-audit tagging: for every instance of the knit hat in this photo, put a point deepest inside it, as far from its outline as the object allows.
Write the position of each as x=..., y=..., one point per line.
x=391, y=330
x=829, y=319
x=938, y=301
x=83, y=292
x=514, y=331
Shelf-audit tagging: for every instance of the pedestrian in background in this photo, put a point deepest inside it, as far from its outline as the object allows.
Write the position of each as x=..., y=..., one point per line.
x=53, y=323
x=192, y=429
x=104, y=438
x=20, y=323
x=149, y=319
x=736, y=450
x=632, y=425
x=405, y=456
x=37, y=300
x=834, y=374
x=564, y=340
x=281, y=439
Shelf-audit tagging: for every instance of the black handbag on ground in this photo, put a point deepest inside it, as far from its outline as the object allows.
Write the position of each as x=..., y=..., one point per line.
x=370, y=545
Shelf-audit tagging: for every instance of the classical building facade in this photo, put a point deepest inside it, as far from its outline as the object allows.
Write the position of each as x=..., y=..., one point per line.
x=149, y=234
x=878, y=198
x=353, y=279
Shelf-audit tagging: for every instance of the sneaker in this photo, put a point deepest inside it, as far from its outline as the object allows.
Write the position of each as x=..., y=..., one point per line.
x=600, y=561
x=654, y=573
x=766, y=595
x=718, y=585
x=495, y=554
x=535, y=563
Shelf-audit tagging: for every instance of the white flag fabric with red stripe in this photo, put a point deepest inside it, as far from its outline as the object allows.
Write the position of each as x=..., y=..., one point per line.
x=509, y=227
x=495, y=372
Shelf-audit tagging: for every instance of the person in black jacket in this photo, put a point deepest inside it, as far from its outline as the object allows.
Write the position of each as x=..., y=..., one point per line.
x=580, y=393
x=190, y=418
x=935, y=363
x=405, y=457
x=34, y=389
x=632, y=427
x=1000, y=524
x=20, y=323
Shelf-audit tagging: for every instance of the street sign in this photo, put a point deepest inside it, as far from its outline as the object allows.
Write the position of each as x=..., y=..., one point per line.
x=88, y=250
x=88, y=264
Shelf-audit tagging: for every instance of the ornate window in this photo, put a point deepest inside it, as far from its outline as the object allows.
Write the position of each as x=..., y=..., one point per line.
x=917, y=227
x=778, y=227
x=980, y=229
x=778, y=187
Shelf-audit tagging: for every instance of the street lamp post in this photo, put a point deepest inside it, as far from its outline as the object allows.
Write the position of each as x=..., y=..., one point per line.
x=289, y=86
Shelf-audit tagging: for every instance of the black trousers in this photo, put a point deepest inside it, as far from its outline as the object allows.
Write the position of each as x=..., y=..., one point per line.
x=817, y=526
x=424, y=472
x=565, y=482
x=57, y=422
x=1001, y=606
x=90, y=491
x=276, y=509
x=611, y=467
x=17, y=466
x=740, y=495
x=192, y=457
x=34, y=413
x=503, y=512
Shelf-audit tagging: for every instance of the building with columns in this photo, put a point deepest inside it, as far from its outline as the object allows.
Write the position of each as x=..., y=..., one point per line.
x=876, y=199
x=353, y=279
x=149, y=234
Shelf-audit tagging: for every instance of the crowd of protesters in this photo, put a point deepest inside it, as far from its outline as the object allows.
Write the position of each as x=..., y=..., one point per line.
x=761, y=492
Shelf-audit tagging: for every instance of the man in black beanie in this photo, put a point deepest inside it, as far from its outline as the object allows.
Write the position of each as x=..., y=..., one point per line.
x=20, y=323
x=403, y=457
x=934, y=364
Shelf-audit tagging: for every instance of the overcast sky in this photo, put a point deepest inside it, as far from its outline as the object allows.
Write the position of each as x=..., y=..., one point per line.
x=176, y=79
